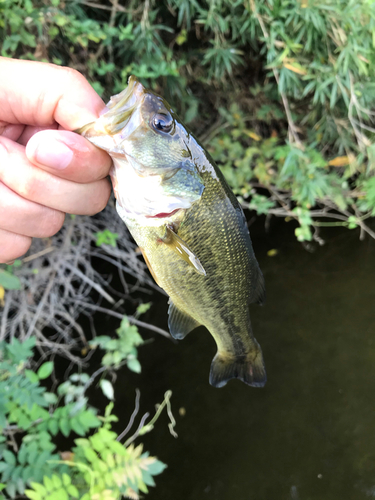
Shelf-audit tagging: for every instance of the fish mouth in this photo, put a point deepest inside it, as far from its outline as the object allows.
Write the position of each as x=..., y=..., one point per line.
x=163, y=215
x=118, y=112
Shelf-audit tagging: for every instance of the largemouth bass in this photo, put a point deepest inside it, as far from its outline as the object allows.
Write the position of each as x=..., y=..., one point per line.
x=188, y=224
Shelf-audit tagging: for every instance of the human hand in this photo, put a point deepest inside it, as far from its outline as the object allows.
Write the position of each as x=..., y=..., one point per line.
x=45, y=169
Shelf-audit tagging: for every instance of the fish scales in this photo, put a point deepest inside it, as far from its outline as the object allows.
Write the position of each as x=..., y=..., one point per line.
x=217, y=289
x=222, y=258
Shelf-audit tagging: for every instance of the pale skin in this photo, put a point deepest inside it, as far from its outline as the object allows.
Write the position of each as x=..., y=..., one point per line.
x=46, y=170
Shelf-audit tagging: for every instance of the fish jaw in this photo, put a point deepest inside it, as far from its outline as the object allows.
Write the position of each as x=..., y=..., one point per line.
x=143, y=187
x=120, y=118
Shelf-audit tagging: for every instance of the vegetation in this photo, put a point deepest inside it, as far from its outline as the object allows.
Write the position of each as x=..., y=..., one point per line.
x=289, y=86
x=98, y=466
x=282, y=94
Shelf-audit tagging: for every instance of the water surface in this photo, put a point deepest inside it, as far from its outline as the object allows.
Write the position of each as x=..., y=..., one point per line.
x=310, y=433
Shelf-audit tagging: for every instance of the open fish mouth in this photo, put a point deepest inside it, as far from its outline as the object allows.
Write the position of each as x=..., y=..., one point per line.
x=117, y=115
x=143, y=187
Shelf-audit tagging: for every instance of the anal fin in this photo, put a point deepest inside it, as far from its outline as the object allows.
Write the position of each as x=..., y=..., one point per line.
x=248, y=367
x=180, y=247
x=180, y=323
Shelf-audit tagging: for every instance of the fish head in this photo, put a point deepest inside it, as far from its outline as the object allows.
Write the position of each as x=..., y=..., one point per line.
x=153, y=170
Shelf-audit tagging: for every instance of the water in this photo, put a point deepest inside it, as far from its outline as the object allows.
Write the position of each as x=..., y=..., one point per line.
x=310, y=433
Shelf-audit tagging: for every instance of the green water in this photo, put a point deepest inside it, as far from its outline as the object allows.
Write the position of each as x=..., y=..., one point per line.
x=310, y=433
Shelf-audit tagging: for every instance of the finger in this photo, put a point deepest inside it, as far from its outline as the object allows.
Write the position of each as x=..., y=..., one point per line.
x=68, y=155
x=12, y=132
x=29, y=131
x=12, y=246
x=34, y=184
x=51, y=94
x=27, y=218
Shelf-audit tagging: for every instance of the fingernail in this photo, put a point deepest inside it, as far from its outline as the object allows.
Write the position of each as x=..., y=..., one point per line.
x=54, y=154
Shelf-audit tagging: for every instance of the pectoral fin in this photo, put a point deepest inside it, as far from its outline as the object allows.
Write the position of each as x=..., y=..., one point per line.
x=180, y=323
x=180, y=247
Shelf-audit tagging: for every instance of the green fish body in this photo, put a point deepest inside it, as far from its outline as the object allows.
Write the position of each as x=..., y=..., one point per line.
x=189, y=226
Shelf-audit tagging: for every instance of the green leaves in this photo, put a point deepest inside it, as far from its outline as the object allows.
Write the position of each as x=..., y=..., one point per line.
x=311, y=67
x=9, y=281
x=123, y=349
x=99, y=466
x=368, y=201
x=53, y=488
x=107, y=389
x=45, y=370
x=106, y=237
x=261, y=204
x=221, y=59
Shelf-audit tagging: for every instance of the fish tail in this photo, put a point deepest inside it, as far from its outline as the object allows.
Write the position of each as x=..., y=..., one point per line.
x=249, y=368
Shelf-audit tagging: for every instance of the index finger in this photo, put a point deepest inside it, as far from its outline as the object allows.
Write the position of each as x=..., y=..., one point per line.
x=42, y=94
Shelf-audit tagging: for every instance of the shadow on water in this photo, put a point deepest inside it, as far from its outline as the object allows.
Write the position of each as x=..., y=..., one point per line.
x=310, y=433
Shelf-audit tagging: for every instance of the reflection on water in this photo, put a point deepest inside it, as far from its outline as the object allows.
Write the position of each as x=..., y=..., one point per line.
x=310, y=433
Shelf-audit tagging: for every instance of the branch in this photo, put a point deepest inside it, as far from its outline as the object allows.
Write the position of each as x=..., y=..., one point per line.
x=94, y=285
x=132, y=417
x=293, y=135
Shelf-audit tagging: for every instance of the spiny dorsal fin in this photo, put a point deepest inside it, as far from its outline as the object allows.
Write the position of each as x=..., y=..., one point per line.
x=180, y=323
x=180, y=247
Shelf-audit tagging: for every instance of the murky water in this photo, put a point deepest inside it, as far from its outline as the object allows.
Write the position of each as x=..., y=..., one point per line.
x=310, y=433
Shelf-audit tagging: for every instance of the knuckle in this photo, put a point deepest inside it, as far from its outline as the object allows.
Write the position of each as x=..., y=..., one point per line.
x=51, y=223
x=13, y=246
x=99, y=198
x=28, y=187
x=103, y=200
x=72, y=76
x=23, y=246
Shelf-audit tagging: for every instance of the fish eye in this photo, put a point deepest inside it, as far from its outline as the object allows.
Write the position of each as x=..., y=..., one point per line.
x=162, y=122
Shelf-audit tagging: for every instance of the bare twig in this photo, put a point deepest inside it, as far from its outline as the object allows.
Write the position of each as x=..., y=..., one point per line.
x=5, y=312
x=58, y=285
x=94, y=5
x=132, y=319
x=136, y=434
x=362, y=140
x=38, y=254
x=41, y=304
x=93, y=377
x=293, y=134
x=94, y=285
x=132, y=416
x=111, y=23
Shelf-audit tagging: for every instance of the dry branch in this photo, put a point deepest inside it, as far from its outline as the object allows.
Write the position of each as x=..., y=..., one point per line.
x=59, y=283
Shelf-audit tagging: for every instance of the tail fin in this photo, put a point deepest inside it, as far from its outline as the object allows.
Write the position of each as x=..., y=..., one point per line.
x=249, y=368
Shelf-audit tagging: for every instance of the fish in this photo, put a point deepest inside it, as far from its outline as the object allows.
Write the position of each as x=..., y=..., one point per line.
x=188, y=224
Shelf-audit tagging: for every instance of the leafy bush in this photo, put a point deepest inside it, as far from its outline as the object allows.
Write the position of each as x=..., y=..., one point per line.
x=97, y=467
x=300, y=71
